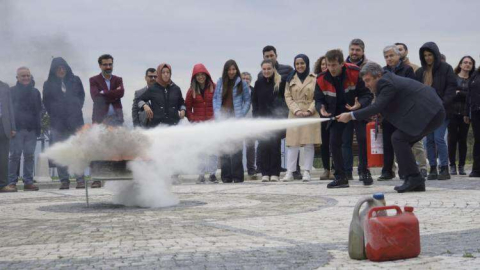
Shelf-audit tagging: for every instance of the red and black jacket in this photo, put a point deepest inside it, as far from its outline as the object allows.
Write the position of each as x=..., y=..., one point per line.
x=353, y=87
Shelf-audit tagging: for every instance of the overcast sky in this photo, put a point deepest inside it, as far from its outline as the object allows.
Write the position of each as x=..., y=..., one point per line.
x=143, y=33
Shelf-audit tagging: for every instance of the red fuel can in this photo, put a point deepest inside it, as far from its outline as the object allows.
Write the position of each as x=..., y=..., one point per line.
x=374, y=146
x=392, y=237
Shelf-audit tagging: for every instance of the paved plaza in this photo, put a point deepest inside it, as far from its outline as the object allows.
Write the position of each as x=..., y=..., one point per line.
x=252, y=225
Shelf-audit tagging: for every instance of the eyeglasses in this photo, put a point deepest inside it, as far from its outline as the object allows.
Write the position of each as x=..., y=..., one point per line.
x=107, y=65
x=152, y=76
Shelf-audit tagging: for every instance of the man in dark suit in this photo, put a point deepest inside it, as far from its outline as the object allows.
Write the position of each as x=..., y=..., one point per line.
x=7, y=131
x=106, y=91
x=412, y=107
x=140, y=117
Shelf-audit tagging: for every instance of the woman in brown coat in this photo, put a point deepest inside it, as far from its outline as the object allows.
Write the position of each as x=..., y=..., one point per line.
x=299, y=96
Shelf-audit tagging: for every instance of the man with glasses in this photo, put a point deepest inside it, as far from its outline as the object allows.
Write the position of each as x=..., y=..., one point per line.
x=141, y=117
x=106, y=91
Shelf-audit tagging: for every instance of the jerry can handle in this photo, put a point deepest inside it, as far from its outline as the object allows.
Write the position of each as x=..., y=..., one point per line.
x=383, y=208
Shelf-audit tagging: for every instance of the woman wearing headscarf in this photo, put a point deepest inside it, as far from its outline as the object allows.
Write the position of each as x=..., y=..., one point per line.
x=267, y=102
x=200, y=109
x=231, y=99
x=299, y=96
x=166, y=99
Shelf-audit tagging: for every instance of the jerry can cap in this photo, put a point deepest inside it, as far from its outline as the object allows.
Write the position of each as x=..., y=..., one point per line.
x=379, y=196
x=408, y=209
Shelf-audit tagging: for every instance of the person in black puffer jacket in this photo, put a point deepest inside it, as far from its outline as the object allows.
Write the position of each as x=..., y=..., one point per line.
x=168, y=105
x=440, y=76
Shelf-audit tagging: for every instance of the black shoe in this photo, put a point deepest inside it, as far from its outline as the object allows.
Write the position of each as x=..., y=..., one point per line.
x=213, y=179
x=237, y=180
x=226, y=180
x=474, y=174
x=339, y=182
x=251, y=172
x=366, y=178
x=433, y=175
x=453, y=170
x=413, y=183
x=402, y=177
x=424, y=173
x=461, y=170
x=386, y=176
x=443, y=175
x=297, y=175
x=65, y=185
x=349, y=176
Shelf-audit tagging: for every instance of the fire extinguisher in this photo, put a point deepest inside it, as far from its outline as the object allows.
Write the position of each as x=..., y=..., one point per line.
x=374, y=146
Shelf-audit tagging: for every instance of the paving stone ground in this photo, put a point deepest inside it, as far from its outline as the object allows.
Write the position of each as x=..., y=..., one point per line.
x=252, y=225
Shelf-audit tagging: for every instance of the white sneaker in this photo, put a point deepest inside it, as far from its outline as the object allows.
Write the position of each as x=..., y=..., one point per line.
x=288, y=177
x=273, y=178
x=306, y=176
x=265, y=178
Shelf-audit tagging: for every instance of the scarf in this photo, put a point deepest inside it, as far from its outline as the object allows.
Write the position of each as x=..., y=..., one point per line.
x=159, y=75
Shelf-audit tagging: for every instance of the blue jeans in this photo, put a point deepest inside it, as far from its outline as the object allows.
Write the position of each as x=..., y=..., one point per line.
x=436, y=145
x=63, y=174
x=23, y=142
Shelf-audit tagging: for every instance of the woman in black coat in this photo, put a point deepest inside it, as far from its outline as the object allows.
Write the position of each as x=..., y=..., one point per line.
x=268, y=102
x=165, y=97
x=457, y=128
x=472, y=115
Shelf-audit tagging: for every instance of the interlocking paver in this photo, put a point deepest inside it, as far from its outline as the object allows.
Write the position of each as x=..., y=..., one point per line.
x=252, y=225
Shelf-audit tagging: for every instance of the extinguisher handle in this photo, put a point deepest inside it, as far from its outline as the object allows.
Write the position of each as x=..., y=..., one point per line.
x=384, y=208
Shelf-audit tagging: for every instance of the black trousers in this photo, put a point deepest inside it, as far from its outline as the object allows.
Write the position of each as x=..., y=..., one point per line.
x=4, y=150
x=388, y=153
x=402, y=145
x=336, y=141
x=457, y=134
x=325, y=148
x=232, y=166
x=361, y=134
x=475, y=120
x=270, y=155
x=250, y=154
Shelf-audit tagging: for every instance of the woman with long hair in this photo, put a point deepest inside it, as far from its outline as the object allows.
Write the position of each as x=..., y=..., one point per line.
x=267, y=103
x=199, y=103
x=299, y=96
x=457, y=128
x=231, y=99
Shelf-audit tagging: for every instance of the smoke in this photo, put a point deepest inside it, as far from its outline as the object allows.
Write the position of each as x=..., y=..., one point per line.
x=22, y=46
x=160, y=153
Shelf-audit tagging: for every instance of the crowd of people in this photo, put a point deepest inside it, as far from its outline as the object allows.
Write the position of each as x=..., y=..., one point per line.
x=348, y=89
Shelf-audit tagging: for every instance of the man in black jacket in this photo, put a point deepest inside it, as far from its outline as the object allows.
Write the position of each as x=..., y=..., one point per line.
x=395, y=65
x=356, y=56
x=441, y=77
x=27, y=106
x=140, y=117
x=338, y=90
x=7, y=131
x=401, y=101
x=63, y=97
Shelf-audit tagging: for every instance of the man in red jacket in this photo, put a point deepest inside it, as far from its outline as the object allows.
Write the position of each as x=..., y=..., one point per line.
x=106, y=91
